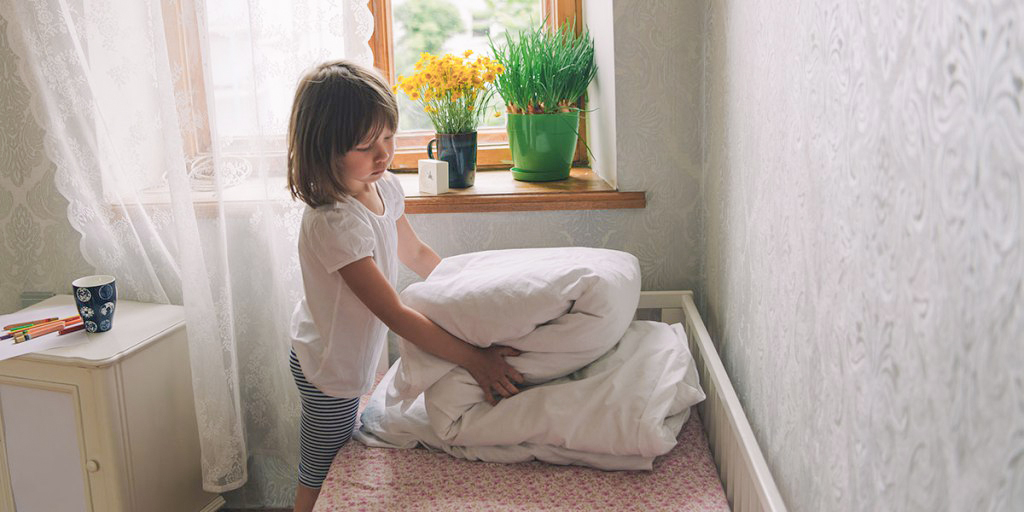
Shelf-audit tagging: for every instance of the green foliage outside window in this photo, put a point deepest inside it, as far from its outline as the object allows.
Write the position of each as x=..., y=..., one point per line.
x=427, y=26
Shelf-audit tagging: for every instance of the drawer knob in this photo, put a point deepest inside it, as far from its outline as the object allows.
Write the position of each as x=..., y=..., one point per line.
x=92, y=466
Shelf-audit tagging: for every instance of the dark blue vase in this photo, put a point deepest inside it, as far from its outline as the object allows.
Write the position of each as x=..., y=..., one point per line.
x=459, y=150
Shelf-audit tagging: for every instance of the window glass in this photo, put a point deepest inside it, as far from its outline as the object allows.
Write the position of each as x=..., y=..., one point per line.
x=231, y=69
x=448, y=26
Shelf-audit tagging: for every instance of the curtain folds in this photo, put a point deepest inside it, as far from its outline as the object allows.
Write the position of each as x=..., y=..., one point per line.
x=166, y=122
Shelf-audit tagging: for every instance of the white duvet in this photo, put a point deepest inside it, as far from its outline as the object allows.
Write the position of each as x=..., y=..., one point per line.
x=603, y=391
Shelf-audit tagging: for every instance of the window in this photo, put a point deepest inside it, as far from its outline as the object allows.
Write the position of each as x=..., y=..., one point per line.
x=405, y=28
x=402, y=29
x=251, y=135
x=235, y=64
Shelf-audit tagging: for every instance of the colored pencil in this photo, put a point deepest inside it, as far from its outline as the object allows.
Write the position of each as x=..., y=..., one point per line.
x=19, y=324
x=77, y=327
x=24, y=331
x=46, y=328
x=39, y=323
x=39, y=331
x=44, y=324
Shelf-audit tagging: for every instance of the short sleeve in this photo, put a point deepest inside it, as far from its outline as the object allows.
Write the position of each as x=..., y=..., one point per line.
x=338, y=237
x=394, y=195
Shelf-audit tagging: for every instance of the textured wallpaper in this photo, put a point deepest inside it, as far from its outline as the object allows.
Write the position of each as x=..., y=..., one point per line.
x=38, y=247
x=863, y=194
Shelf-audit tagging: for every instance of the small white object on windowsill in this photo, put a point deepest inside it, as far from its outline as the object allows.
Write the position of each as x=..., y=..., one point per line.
x=433, y=176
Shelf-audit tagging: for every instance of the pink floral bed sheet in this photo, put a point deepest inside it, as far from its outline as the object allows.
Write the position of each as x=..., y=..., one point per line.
x=379, y=479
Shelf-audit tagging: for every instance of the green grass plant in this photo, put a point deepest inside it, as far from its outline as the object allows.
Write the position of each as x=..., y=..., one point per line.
x=546, y=71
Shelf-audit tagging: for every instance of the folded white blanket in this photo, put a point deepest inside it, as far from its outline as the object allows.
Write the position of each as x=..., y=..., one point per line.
x=618, y=413
x=564, y=308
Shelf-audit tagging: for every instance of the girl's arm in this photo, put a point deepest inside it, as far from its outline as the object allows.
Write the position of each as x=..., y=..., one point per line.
x=487, y=366
x=413, y=253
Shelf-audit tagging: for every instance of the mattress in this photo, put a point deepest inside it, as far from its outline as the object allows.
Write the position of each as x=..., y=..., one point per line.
x=383, y=479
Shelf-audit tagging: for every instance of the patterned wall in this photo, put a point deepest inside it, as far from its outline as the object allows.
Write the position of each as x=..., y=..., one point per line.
x=863, y=191
x=38, y=247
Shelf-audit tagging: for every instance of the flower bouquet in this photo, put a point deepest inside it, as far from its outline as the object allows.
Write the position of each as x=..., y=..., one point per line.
x=454, y=92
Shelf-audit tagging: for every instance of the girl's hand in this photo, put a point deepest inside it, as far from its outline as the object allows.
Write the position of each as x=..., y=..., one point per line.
x=494, y=375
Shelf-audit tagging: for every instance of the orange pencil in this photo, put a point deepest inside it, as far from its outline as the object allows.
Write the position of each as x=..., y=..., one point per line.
x=77, y=327
x=39, y=331
x=68, y=319
x=46, y=328
x=20, y=324
x=26, y=327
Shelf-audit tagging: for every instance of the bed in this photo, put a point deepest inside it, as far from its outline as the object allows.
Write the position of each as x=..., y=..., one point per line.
x=716, y=465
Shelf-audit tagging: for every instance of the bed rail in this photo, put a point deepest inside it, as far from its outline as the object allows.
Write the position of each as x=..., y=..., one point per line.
x=748, y=484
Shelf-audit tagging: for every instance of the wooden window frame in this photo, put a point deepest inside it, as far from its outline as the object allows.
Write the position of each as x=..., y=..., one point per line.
x=493, y=151
x=183, y=49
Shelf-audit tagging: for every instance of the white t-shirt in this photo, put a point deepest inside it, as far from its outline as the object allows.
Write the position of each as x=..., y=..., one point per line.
x=338, y=340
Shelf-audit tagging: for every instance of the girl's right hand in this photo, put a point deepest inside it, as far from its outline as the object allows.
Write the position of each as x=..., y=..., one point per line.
x=494, y=375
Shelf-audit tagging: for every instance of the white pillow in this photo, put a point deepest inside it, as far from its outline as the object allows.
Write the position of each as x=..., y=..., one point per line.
x=575, y=302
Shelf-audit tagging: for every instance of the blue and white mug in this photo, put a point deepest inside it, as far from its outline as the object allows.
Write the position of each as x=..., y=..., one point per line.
x=95, y=298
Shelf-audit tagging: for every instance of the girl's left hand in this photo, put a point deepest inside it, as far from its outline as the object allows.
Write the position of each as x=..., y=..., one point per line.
x=494, y=375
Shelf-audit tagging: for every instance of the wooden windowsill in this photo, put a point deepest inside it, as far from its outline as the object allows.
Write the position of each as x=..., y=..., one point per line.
x=493, y=191
x=497, y=191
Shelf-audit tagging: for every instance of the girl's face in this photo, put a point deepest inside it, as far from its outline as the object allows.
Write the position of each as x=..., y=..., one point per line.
x=366, y=162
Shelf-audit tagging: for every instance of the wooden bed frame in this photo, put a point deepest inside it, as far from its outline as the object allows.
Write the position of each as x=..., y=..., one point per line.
x=748, y=484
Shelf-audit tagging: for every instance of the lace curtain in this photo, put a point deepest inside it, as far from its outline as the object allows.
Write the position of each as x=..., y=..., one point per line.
x=166, y=123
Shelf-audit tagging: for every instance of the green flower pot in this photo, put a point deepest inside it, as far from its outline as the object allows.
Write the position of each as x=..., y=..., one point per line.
x=542, y=145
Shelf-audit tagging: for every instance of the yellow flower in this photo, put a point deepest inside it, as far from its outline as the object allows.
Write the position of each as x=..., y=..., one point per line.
x=448, y=87
x=497, y=113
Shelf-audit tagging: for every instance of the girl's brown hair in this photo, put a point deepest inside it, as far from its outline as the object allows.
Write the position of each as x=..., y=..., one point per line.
x=337, y=106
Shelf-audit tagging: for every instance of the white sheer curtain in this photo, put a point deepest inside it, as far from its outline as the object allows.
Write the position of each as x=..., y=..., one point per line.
x=178, y=190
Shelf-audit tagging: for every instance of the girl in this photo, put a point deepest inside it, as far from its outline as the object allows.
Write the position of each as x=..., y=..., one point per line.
x=340, y=143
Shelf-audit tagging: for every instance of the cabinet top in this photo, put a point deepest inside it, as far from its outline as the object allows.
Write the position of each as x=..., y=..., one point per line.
x=135, y=325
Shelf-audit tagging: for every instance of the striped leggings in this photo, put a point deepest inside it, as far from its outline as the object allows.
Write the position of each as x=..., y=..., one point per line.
x=326, y=425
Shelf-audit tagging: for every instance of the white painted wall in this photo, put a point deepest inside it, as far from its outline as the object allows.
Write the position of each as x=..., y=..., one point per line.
x=863, y=184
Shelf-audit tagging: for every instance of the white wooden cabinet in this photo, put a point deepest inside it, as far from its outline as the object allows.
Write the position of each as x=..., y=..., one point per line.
x=108, y=425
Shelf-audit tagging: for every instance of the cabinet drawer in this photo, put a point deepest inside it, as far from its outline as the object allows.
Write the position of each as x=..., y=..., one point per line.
x=51, y=454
